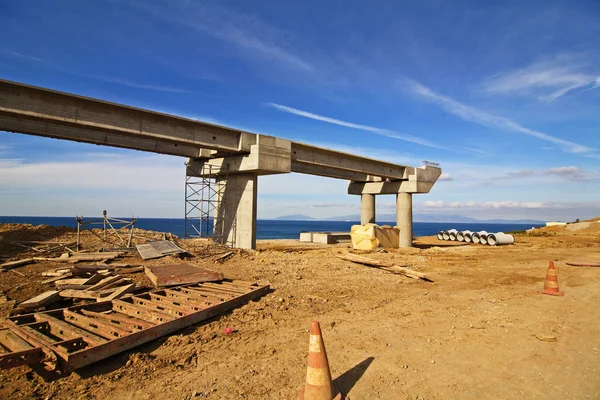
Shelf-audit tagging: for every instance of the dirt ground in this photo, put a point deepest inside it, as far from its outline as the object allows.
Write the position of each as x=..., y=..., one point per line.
x=473, y=333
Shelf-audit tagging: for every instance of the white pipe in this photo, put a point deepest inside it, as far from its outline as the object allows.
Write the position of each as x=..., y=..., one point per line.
x=447, y=233
x=453, y=234
x=468, y=236
x=441, y=235
x=460, y=236
x=500, y=238
x=480, y=237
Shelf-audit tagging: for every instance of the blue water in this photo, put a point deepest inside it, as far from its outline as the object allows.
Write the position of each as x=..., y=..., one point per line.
x=277, y=229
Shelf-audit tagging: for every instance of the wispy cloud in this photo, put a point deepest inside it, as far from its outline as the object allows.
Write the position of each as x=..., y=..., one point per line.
x=508, y=204
x=571, y=173
x=246, y=31
x=366, y=128
x=124, y=82
x=547, y=80
x=445, y=176
x=97, y=172
x=480, y=117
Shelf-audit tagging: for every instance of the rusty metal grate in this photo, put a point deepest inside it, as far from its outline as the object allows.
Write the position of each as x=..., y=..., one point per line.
x=74, y=337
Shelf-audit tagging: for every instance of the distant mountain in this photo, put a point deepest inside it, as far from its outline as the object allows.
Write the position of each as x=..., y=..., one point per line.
x=295, y=217
x=440, y=218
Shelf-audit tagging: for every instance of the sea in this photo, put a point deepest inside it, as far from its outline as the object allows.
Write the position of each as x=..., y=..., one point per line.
x=279, y=229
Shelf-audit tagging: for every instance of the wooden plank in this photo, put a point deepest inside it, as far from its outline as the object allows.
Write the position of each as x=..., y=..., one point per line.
x=390, y=267
x=102, y=328
x=583, y=264
x=133, y=270
x=78, y=294
x=121, y=291
x=131, y=323
x=104, y=282
x=74, y=283
x=58, y=277
x=141, y=312
x=14, y=264
x=95, y=279
x=43, y=299
x=117, y=284
x=73, y=331
x=224, y=256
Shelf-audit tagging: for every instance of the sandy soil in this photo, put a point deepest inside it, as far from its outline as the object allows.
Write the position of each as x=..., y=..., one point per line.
x=473, y=333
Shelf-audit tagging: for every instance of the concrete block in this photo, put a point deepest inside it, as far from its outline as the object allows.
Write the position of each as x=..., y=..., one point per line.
x=306, y=236
x=323, y=238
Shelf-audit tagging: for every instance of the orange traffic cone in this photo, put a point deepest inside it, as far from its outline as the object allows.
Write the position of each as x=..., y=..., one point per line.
x=319, y=385
x=551, y=283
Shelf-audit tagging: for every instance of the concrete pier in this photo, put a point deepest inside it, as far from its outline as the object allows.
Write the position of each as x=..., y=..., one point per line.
x=236, y=213
x=416, y=180
x=367, y=209
x=404, y=218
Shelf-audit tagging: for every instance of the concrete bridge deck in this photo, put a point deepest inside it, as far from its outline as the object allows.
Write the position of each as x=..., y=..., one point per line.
x=238, y=155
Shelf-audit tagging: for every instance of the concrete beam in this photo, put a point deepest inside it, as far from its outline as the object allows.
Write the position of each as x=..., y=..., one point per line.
x=79, y=134
x=270, y=155
x=420, y=180
x=332, y=173
x=30, y=103
x=331, y=162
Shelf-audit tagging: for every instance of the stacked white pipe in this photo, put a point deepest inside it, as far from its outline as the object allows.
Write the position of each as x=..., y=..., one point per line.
x=480, y=237
x=462, y=236
x=446, y=234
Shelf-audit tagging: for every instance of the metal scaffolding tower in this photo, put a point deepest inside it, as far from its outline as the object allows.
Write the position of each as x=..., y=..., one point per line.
x=203, y=201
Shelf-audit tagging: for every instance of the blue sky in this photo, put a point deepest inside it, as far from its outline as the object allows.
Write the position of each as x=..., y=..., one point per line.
x=505, y=95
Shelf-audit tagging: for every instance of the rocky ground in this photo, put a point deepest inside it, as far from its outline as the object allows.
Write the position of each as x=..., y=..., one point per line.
x=479, y=330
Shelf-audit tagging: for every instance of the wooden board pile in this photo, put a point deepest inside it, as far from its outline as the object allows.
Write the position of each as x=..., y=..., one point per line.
x=92, y=282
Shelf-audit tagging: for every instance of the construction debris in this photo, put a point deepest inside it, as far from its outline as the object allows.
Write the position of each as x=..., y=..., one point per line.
x=158, y=248
x=583, y=264
x=180, y=274
x=224, y=256
x=78, y=257
x=390, y=267
x=70, y=338
x=43, y=299
x=14, y=264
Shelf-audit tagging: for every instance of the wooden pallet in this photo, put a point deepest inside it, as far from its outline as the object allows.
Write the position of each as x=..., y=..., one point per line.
x=70, y=338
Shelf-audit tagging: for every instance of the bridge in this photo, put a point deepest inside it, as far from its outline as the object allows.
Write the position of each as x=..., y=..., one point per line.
x=236, y=158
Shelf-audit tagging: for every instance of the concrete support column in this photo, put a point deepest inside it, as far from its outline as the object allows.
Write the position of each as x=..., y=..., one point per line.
x=236, y=214
x=367, y=209
x=404, y=218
